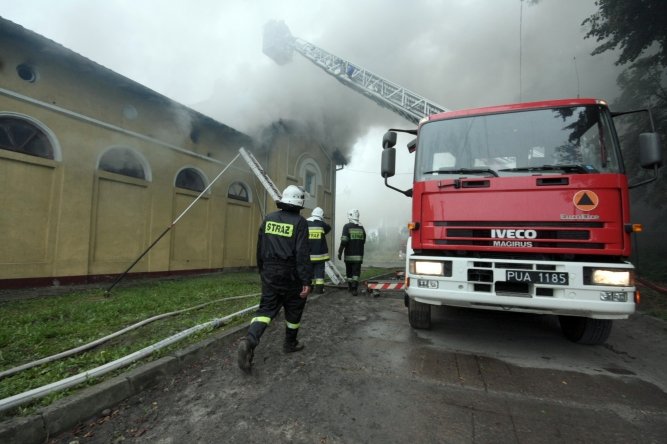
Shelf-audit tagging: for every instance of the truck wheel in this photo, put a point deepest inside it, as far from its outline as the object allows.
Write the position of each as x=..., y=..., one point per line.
x=419, y=314
x=585, y=330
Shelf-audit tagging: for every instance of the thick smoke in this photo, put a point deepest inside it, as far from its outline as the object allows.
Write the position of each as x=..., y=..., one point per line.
x=298, y=91
x=458, y=54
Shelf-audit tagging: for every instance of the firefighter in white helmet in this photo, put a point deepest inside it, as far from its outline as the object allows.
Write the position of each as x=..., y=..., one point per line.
x=283, y=260
x=319, y=250
x=352, y=243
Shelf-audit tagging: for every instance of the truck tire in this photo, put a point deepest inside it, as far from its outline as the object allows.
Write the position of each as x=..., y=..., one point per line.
x=585, y=330
x=419, y=315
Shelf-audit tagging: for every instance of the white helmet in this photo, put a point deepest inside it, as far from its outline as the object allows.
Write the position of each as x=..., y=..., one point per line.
x=318, y=212
x=293, y=195
x=353, y=216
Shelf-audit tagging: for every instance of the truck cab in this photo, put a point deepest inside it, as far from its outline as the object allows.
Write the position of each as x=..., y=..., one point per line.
x=524, y=208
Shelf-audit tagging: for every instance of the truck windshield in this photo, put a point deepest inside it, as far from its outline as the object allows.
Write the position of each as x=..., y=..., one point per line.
x=568, y=140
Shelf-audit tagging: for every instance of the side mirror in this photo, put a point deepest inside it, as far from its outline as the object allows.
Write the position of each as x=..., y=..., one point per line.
x=389, y=139
x=650, y=155
x=388, y=168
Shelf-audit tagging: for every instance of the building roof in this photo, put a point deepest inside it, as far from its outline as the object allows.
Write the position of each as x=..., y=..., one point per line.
x=77, y=62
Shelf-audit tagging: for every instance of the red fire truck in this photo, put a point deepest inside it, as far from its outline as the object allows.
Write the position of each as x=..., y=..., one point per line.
x=519, y=207
x=523, y=208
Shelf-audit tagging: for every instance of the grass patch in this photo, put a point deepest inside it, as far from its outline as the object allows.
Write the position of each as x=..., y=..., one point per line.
x=41, y=327
x=374, y=272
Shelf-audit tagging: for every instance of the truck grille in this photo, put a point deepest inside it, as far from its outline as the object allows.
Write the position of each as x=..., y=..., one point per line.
x=548, y=234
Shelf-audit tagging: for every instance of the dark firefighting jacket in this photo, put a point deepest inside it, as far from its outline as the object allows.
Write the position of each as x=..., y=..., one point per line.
x=317, y=229
x=283, y=253
x=352, y=242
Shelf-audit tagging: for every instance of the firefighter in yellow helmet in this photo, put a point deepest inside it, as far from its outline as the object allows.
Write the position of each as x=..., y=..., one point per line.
x=319, y=251
x=283, y=260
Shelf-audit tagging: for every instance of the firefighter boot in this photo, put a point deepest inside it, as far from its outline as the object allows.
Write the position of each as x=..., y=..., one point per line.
x=292, y=346
x=355, y=289
x=319, y=289
x=246, y=352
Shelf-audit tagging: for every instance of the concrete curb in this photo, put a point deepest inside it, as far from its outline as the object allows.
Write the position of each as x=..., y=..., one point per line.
x=66, y=413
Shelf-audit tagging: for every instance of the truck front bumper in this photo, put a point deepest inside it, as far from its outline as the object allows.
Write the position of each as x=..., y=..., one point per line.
x=493, y=285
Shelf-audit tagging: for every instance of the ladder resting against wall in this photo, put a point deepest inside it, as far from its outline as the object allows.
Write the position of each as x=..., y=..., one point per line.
x=334, y=275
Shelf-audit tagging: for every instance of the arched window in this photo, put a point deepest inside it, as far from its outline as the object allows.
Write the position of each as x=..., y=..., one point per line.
x=124, y=161
x=238, y=191
x=23, y=136
x=190, y=179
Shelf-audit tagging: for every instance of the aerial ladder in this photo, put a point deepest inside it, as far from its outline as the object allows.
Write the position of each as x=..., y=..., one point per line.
x=334, y=275
x=279, y=45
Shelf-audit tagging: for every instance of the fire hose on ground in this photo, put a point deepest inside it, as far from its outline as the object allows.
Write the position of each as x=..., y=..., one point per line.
x=40, y=392
x=99, y=341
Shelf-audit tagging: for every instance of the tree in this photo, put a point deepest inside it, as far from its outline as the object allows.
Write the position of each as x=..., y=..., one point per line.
x=636, y=26
x=638, y=29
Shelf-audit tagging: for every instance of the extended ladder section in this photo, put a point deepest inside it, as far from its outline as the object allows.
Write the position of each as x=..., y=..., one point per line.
x=279, y=44
x=333, y=273
x=261, y=175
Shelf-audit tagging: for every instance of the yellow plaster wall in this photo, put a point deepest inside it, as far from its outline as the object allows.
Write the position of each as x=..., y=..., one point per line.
x=66, y=218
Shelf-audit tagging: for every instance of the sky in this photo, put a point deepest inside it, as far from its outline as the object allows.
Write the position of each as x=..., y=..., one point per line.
x=207, y=54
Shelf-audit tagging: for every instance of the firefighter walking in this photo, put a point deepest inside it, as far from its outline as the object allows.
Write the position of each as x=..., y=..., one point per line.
x=319, y=250
x=352, y=242
x=283, y=260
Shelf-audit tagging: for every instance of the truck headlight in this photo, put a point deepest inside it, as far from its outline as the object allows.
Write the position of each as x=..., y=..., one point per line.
x=609, y=276
x=431, y=268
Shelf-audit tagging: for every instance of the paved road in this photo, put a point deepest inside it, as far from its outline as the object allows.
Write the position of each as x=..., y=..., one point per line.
x=366, y=377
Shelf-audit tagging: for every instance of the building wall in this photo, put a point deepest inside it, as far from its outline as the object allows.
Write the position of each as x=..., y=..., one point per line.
x=64, y=219
x=67, y=220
